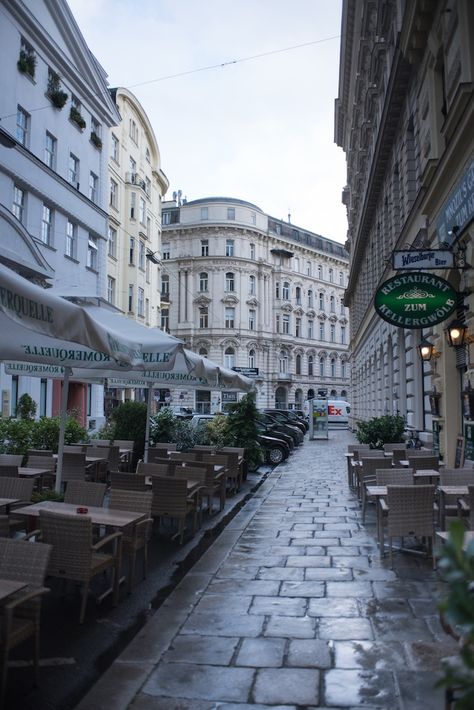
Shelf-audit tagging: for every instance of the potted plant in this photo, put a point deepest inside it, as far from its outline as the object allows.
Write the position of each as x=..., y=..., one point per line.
x=75, y=115
x=56, y=95
x=96, y=140
x=27, y=63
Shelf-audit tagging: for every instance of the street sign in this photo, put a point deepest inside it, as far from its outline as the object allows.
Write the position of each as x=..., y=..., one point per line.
x=416, y=300
x=417, y=259
x=247, y=371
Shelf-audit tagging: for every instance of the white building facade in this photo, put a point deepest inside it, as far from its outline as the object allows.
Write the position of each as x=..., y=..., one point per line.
x=256, y=293
x=55, y=106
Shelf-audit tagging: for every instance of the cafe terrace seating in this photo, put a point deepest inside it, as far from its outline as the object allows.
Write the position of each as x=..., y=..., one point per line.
x=22, y=489
x=466, y=508
x=135, y=537
x=423, y=463
x=11, y=459
x=172, y=499
x=394, y=447
x=8, y=470
x=85, y=493
x=74, y=466
x=409, y=512
x=399, y=455
x=20, y=618
x=128, y=481
x=74, y=557
x=366, y=475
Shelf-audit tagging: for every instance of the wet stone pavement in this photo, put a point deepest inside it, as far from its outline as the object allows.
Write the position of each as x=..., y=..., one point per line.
x=291, y=607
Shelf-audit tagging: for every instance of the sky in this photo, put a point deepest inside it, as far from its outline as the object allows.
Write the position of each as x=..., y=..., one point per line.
x=259, y=129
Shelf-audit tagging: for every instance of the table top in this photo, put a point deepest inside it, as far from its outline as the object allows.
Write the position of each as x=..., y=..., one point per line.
x=376, y=491
x=454, y=490
x=99, y=516
x=426, y=473
x=10, y=586
x=8, y=501
x=468, y=537
x=27, y=472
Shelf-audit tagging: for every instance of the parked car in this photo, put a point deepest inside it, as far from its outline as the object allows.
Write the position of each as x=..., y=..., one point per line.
x=283, y=427
x=274, y=450
x=286, y=416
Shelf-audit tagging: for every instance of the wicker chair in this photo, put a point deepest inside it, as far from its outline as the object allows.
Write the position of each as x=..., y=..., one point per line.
x=231, y=467
x=394, y=447
x=15, y=487
x=74, y=466
x=128, y=481
x=420, y=452
x=85, y=493
x=44, y=462
x=164, y=468
x=202, y=447
x=394, y=476
x=211, y=484
x=240, y=451
x=137, y=537
x=365, y=473
x=171, y=500
x=39, y=452
x=410, y=512
x=399, y=455
x=20, y=619
x=423, y=463
x=354, y=449
x=11, y=459
x=8, y=470
x=186, y=456
x=466, y=508
x=74, y=557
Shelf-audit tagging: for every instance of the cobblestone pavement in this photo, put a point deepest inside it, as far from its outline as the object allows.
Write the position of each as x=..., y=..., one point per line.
x=291, y=607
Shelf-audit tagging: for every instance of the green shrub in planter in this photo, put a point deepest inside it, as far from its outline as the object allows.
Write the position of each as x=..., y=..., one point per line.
x=242, y=429
x=129, y=421
x=378, y=431
x=26, y=407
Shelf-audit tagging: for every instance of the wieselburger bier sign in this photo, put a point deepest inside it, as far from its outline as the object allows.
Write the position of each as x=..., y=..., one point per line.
x=415, y=300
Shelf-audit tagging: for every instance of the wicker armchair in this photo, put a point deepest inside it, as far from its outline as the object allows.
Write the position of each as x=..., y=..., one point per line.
x=15, y=487
x=410, y=512
x=240, y=451
x=466, y=508
x=171, y=500
x=164, y=468
x=11, y=459
x=74, y=466
x=231, y=466
x=394, y=447
x=394, y=476
x=128, y=481
x=399, y=455
x=423, y=463
x=366, y=476
x=212, y=484
x=74, y=557
x=20, y=618
x=8, y=470
x=85, y=493
x=137, y=537
x=46, y=461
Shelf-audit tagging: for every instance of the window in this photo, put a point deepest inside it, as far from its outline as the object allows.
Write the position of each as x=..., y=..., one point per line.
x=308, y=268
x=141, y=255
x=251, y=360
x=343, y=368
x=252, y=252
x=27, y=61
x=92, y=253
x=331, y=275
x=204, y=213
x=133, y=169
x=112, y=242
x=229, y=358
x=43, y=397
x=50, y=151
x=131, y=251
x=229, y=247
x=321, y=301
x=322, y=333
x=147, y=310
x=229, y=281
x=165, y=250
x=277, y=290
x=298, y=296
x=147, y=155
x=73, y=170
x=283, y=361
x=333, y=333
x=14, y=394
x=286, y=291
x=341, y=278
x=231, y=213
x=203, y=352
x=310, y=330
x=333, y=367
x=277, y=323
x=310, y=366
x=71, y=234
x=141, y=302
x=298, y=328
x=298, y=365
x=204, y=247
x=297, y=264
x=165, y=285
x=166, y=218
x=133, y=205
x=22, y=126
x=253, y=218
x=110, y=289
x=342, y=311
x=142, y=211
x=251, y=319
x=19, y=200
x=286, y=324
x=203, y=281
x=321, y=367
x=133, y=131
x=130, y=298
x=113, y=199
x=320, y=271
x=147, y=270
x=46, y=224
x=115, y=148
x=229, y=317
x=93, y=187
x=165, y=320
x=204, y=317
x=332, y=304
x=343, y=334
x=310, y=299
x=148, y=228
x=148, y=186
x=96, y=128
x=252, y=288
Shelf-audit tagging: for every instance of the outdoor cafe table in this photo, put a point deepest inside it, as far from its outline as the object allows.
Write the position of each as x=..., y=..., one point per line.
x=27, y=472
x=92, y=462
x=378, y=492
x=468, y=537
x=99, y=516
x=9, y=587
x=428, y=473
x=7, y=502
x=444, y=491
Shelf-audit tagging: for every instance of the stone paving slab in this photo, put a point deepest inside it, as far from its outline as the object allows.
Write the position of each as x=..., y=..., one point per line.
x=292, y=607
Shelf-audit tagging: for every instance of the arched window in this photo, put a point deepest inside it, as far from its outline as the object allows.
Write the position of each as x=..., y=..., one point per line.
x=333, y=367
x=297, y=264
x=333, y=393
x=321, y=366
x=251, y=358
x=283, y=361
x=320, y=271
x=229, y=281
x=203, y=281
x=203, y=352
x=331, y=275
x=298, y=296
x=308, y=268
x=286, y=290
x=203, y=317
x=310, y=299
x=252, y=289
x=332, y=304
x=321, y=301
x=229, y=358
x=165, y=285
x=310, y=394
x=343, y=393
x=310, y=366
x=343, y=368
x=298, y=365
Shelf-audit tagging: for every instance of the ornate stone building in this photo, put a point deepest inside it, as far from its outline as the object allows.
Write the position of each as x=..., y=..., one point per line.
x=404, y=117
x=254, y=292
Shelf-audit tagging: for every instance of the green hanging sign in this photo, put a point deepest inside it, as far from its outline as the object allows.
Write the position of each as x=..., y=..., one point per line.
x=416, y=300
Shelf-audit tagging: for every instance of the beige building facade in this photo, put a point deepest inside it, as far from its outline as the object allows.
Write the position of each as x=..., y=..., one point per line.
x=404, y=117
x=256, y=293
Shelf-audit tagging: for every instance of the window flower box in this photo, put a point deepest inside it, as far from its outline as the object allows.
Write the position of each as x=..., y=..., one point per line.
x=76, y=116
x=55, y=94
x=95, y=139
x=27, y=63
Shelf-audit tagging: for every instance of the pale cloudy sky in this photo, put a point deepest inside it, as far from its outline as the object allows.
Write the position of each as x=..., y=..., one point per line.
x=260, y=130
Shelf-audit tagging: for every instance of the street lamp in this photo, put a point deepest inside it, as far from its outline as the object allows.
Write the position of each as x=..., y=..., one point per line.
x=456, y=333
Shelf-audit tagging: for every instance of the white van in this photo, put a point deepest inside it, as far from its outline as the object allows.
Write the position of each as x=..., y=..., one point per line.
x=338, y=411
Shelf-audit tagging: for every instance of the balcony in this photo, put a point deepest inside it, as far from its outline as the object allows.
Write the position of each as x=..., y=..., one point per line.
x=135, y=179
x=284, y=376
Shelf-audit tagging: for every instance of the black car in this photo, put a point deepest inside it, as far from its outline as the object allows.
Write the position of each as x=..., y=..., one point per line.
x=290, y=417
x=283, y=427
x=270, y=430
x=275, y=450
